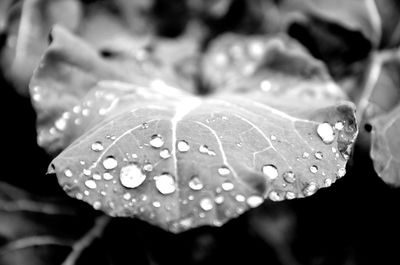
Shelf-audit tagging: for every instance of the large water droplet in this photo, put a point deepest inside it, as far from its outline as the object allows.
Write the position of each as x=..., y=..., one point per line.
x=270, y=171
x=91, y=184
x=165, y=183
x=97, y=146
x=110, y=162
x=326, y=133
x=314, y=169
x=131, y=176
x=227, y=186
x=223, y=171
x=254, y=201
x=289, y=176
x=206, y=204
x=183, y=146
x=156, y=141
x=68, y=173
x=164, y=154
x=195, y=183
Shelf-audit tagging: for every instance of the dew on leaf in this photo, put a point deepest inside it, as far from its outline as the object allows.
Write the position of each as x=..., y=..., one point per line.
x=290, y=195
x=318, y=155
x=326, y=133
x=86, y=172
x=86, y=193
x=195, y=183
x=145, y=125
x=289, y=176
x=327, y=182
x=265, y=85
x=127, y=196
x=273, y=138
x=156, y=204
x=156, y=141
x=79, y=196
x=206, y=204
x=306, y=155
x=183, y=146
x=96, y=176
x=339, y=125
x=97, y=146
x=91, y=184
x=341, y=172
x=314, y=169
x=270, y=171
x=310, y=189
x=227, y=186
x=164, y=154
x=110, y=162
x=254, y=201
x=107, y=176
x=97, y=205
x=68, y=173
x=148, y=167
x=131, y=176
x=274, y=196
x=203, y=149
x=240, y=198
x=219, y=199
x=61, y=124
x=165, y=183
x=223, y=171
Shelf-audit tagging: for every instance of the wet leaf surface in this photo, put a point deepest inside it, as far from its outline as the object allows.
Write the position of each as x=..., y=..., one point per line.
x=144, y=148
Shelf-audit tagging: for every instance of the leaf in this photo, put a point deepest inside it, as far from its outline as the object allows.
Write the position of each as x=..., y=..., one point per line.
x=379, y=107
x=390, y=13
x=178, y=160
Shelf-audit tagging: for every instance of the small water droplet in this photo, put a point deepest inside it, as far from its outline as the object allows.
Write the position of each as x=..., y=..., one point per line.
x=156, y=204
x=254, y=201
x=131, y=176
x=270, y=171
x=164, y=154
x=165, y=183
x=91, y=184
x=326, y=133
x=107, y=176
x=334, y=150
x=96, y=176
x=290, y=195
x=310, y=189
x=156, y=141
x=327, y=182
x=289, y=176
x=318, y=155
x=110, y=162
x=127, y=196
x=79, y=196
x=86, y=192
x=223, y=171
x=240, y=198
x=145, y=125
x=265, y=85
x=206, y=204
x=60, y=124
x=339, y=125
x=227, y=186
x=183, y=146
x=85, y=112
x=195, y=183
x=97, y=205
x=203, y=149
x=273, y=138
x=314, y=169
x=148, y=167
x=341, y=172
x=97, y=146
x=86, y=172
x=274, y=196
x=219, y=199
x=68, y=173
x=306, y=155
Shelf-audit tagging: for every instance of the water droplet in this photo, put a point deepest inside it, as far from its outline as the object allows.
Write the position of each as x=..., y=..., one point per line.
x=186, y=223
x=86, y=172
x=96, y=176
x=156, y=141
x=110, y=162
x=327, y=182
x=203, y=149
x=195, y=183
x=270, y=171
x=85, y=112
x=131, y=176
x=265, y=85
x=91, y=184
x=97, y=205
x=254, y=201
x=79, y=196
x=206, y=204
x=97, y=146
x=148, y=167
x=219, y=199
x=183, y=146
x=127, y=196
x=227, y=186
x=240, y=198
x=86, y=192
x=289, y=176
x=306, y=155
x=60, y=124
x=164, y=154
x=68, y=173
x=334, y=150
x=274, y=196
x=165, y=183
x=339, y=125
x=107, y=176
x=341, y=172
x=326, y=133
x=310, y=189
x=314, y=169
x=145, y=125
x=318, y=155
x=273, y=138
x=157, y=204
x=223, y=171
x=290, y=195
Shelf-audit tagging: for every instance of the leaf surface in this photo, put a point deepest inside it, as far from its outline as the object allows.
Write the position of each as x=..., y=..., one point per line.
x=144, y=148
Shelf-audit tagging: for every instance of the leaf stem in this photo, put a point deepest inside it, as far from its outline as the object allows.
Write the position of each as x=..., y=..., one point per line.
x=34, y=241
